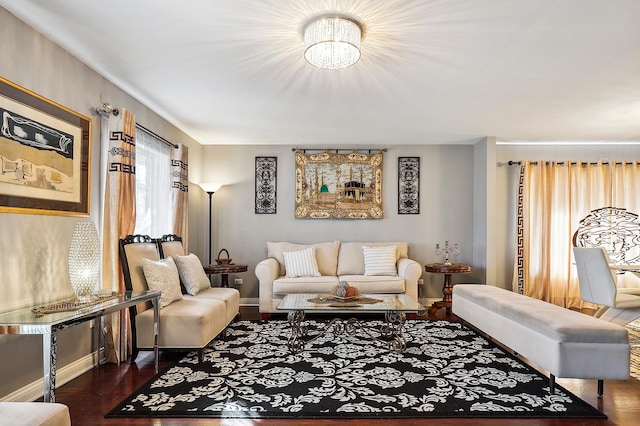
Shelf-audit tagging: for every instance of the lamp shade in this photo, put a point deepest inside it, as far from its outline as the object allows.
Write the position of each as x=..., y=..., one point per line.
x=210, y=187
x=84, y=259
x=332, y=43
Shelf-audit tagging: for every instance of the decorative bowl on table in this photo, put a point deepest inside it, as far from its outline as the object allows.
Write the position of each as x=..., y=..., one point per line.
x=344, y=292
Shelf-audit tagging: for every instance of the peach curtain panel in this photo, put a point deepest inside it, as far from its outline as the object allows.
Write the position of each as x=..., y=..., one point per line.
x=119, y=221
x=552, y=199
x=180, y=192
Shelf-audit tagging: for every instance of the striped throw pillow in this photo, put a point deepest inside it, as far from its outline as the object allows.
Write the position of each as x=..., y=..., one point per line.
x=301, y=263
x=380, y=260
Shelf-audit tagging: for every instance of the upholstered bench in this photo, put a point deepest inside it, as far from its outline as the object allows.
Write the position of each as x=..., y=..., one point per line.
x=188, y=321
x=34, y=413
x=565, y=343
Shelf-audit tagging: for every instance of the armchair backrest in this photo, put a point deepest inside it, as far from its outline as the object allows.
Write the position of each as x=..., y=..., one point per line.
x=597, y=281
x=171, y=245
x=133, y=250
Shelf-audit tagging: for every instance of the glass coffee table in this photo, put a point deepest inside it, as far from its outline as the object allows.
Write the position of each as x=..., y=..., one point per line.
x=395, y=308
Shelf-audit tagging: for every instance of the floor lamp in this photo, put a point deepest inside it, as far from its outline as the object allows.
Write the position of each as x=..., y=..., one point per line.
x=210, y=188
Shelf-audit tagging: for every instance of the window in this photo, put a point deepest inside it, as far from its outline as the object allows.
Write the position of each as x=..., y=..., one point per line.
x=153, y=193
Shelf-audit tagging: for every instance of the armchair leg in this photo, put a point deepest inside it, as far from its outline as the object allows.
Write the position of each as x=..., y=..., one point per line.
x=552, y=384
x=200, y=354
x=600, y=388
x=265, y=317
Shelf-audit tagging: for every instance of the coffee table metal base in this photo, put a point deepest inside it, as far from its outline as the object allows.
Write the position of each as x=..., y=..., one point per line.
x=389, y=333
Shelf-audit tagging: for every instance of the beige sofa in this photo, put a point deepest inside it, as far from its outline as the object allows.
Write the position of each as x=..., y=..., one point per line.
x=192, y=321
x=337, y=261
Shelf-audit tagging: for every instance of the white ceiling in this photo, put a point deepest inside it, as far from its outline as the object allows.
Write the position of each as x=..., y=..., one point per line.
x=432, y=71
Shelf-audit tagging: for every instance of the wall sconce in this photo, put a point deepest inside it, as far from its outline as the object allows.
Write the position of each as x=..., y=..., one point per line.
x=84, y=260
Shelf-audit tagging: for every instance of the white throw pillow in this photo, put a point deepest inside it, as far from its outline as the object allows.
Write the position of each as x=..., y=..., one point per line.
x=192, y=273
x=301, y=263
x=163, y=275
x=380, y=260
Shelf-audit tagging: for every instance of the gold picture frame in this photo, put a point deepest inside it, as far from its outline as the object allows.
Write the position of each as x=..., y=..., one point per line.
x=338, y=186
x=45, y=155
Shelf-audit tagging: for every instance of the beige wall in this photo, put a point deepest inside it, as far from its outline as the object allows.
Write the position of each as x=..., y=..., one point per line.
x=446, y=207
x=33, y=253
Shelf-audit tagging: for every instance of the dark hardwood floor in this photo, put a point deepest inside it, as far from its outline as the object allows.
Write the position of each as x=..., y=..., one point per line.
x=96, y=392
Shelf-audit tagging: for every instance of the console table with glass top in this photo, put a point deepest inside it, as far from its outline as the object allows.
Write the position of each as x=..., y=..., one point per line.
x=393, y=306
x=24, y=321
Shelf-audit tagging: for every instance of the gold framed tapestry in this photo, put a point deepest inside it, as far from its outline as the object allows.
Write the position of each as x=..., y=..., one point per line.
x=338, y=186
x=44, y=155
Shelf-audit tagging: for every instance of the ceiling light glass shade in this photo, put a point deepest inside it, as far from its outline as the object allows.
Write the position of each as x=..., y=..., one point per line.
x=332, y=43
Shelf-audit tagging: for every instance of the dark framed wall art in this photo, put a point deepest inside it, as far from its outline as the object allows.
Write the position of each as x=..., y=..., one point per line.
x=44, y=155
x=408, y=185
x=266, y=183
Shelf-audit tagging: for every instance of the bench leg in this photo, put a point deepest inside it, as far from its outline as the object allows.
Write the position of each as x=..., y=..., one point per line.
x=600, y=388
x=552, y=384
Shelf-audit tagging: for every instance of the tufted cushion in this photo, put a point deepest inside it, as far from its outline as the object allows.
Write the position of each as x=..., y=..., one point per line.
x=192, y=273
x=380, y=260
x=301, y=263
x=163, y=275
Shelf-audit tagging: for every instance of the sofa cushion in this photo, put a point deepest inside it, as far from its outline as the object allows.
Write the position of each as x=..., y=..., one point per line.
x=326, y=254
x=323, y=285
x=351, y=257
x=34, y=413
x=301, y=263
x=192, y=274
x=375, y=284
x=163, y=275
x=188, y=323
x=556, y=322
x=230, y=297
x=380, y=260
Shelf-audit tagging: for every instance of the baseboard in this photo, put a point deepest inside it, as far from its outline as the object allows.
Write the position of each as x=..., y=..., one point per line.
x=249, y=302
x=34, y=390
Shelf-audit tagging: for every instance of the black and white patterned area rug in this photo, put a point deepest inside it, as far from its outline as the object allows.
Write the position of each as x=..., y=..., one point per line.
x=447, y=370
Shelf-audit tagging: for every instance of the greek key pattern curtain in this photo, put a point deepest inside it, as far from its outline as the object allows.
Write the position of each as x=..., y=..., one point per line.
x=119, y=221
x=552, y=199
x=180, y=192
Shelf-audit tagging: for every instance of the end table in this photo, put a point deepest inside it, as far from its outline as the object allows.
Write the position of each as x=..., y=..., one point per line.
x=224, y=271
x=447, y=288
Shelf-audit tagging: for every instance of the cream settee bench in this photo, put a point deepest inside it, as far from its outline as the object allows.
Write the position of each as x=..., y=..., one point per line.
x=566, y=343
x=34, y=413
x=189, y=323
x=337, y=261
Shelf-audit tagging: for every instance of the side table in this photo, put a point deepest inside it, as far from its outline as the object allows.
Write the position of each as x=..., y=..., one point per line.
x=447, y=288
x=224, y=271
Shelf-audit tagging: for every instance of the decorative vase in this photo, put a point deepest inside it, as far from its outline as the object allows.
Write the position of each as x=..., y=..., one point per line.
x=84, y=260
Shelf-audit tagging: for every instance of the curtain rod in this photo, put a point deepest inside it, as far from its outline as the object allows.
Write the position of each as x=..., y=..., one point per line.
x=573, y=163
x=141, y=127
x=304, y=150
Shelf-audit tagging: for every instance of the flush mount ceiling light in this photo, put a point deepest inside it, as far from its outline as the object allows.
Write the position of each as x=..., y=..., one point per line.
x=332, y=42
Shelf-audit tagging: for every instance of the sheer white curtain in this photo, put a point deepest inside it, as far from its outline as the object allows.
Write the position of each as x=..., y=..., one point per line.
x=154, y=215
